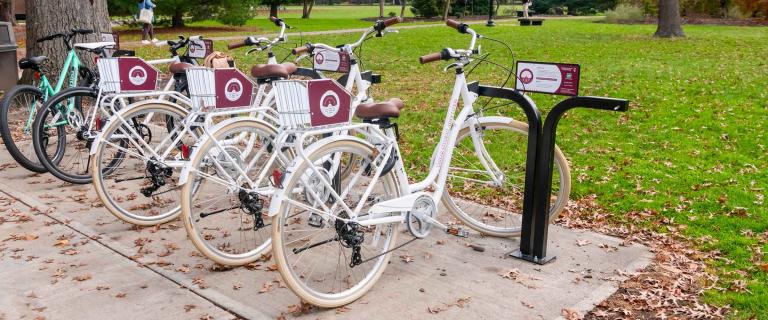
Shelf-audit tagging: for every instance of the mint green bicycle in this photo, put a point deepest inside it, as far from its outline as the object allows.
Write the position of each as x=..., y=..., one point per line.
x=21, y=103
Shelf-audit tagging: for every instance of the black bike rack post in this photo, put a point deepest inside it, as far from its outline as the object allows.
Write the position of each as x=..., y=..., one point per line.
x=540, y=163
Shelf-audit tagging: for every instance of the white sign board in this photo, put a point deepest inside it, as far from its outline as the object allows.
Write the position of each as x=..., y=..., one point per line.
x=543, y=77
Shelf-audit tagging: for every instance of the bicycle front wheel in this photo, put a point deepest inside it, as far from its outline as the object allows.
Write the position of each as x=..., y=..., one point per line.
x=137, y=163
x=325, y=257
x=62, y=137
x=17, y=113
x=491, y=207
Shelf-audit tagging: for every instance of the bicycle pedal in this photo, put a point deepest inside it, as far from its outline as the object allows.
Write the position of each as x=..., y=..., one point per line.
x=457, y=232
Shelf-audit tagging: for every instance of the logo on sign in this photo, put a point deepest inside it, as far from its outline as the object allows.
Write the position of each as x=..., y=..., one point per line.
x=329, y=104
x=233, y=90
x=319, y=58
x=526, y=76
x=137, y=75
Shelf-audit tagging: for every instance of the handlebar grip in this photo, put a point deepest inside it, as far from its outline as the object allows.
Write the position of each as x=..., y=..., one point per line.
x=164, y=43
x=452, y=23
x=432, y=57
x=300, y=50
x=236, y=45
x=392, y=21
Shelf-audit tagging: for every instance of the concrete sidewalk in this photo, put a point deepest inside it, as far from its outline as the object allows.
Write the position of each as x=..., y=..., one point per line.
x=160, y=272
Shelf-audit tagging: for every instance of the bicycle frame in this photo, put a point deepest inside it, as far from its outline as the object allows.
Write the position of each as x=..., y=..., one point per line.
x=72, y=62
x=386, y=142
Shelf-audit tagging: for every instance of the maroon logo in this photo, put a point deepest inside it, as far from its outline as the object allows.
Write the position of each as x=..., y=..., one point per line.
x=233, y=89
x=526, y=76
x=136, y=75
x=319, y=58
x=329, y=102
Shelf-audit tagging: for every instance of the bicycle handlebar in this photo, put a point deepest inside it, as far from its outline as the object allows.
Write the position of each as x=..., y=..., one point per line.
x=302, y=50
x=432, y=57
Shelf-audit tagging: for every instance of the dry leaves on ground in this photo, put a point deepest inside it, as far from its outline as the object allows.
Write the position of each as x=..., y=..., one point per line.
x=670, y=287
x=460, y=302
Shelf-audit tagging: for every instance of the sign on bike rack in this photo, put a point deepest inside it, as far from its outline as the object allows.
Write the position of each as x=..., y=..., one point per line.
x=328, y=60
x=545, y=77
x=219, y=88
x=127, y=74
x=200, y=48
x=312, y=103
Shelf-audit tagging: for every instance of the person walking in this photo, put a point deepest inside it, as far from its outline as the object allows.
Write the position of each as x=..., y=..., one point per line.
x=147, y=17
x=526, y=5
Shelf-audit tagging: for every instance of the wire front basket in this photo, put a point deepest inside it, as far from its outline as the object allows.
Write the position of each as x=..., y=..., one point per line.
x=126, y=74
x=292, y=100
x=202, y=87
x=304, y=104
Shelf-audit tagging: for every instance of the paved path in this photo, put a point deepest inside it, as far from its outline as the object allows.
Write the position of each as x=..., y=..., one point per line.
x=501, y=22
x=73, y=260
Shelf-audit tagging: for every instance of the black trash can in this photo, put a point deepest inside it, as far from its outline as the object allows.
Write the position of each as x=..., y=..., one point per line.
x=9, y=72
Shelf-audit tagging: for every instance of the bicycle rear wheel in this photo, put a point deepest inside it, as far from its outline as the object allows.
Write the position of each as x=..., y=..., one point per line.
x=490, y=208
x=17, y=114
x=227, y=190
x=137, y=163
x=325, y=259
x=61, y=135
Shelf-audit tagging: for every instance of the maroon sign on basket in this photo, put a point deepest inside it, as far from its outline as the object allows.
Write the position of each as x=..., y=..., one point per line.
x=200, y=48
x=327, y=60
x=544, y=77
x=233, y=88
x=136, y=75
x=329, y=102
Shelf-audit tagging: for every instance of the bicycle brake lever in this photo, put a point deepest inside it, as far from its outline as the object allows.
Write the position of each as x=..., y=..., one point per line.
x=301, y=57
x=450, y=66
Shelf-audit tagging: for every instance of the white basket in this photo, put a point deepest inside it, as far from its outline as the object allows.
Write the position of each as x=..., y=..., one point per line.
x=292, y=100
x=109, y=75
x=201, y=83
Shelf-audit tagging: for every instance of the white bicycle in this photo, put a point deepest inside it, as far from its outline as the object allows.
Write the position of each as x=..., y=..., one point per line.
x=332, y=235
x=156, y=136
x=228, y=186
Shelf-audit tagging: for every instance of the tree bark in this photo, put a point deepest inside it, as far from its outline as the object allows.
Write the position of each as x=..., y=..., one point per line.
x=381, y=8
x=6, y=11
x=670, y=24
x=273, y=6
x=178, y=18
x=45, y=17
x=403, y=3
x=308, y=5
x=446, y=10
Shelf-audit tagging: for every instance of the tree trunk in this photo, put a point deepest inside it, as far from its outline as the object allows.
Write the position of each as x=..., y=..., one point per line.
x=273, y=6
x=6, y=11
x=446, y=10
x=381, y=8
x=670, y=24
x=308, y=5
x=178, y=18
x=402, y=8
x=45, y=17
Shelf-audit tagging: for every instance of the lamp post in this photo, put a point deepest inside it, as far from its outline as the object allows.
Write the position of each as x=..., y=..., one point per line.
x=490, y=22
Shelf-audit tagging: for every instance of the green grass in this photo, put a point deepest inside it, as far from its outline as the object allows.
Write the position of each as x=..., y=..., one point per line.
x=691, y=149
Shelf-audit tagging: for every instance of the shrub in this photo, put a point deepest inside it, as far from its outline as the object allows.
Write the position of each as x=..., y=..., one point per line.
x=424, y=8
x=625, y=13
x=392, y=14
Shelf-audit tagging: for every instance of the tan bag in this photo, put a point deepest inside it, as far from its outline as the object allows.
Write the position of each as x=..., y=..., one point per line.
x=218, y=60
